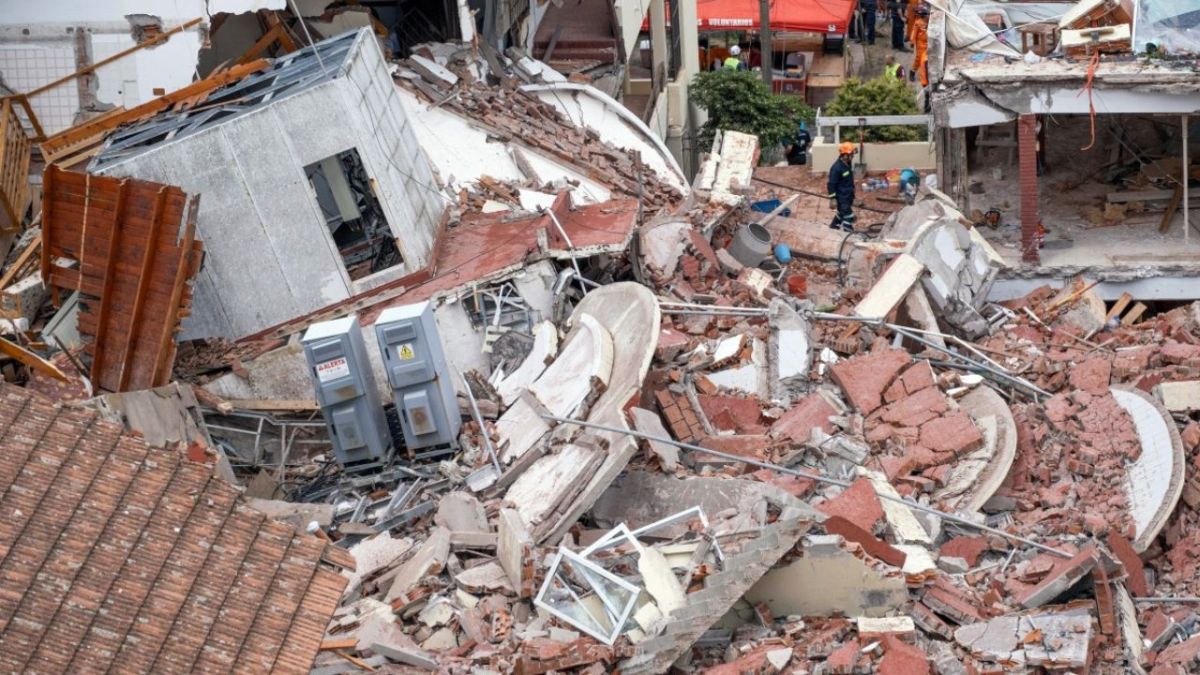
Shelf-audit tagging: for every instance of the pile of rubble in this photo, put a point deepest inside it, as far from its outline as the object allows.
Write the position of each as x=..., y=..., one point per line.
x=702, y=430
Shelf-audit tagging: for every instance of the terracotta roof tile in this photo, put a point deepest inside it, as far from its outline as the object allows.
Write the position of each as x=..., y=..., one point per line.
x=113, y=555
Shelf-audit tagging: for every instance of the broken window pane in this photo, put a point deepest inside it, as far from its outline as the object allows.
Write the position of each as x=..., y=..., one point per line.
x=353, y=215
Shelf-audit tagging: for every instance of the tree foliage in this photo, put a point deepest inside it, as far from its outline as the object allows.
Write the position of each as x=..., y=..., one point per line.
x=880, y=96
x=740, y=101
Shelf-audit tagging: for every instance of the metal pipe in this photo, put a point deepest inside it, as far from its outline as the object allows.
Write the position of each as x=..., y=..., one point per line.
x=570, y=246
x=1186, y=224
x=811, y=476
x=487, y=441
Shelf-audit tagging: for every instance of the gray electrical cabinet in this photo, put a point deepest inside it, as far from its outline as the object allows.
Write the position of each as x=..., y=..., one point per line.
x=345, y=388
x=418, y=374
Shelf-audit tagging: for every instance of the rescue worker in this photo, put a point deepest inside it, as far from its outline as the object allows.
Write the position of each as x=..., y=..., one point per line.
x=734, y=60
x=841, y=188
x=893, y=69
x=918, y=31
x=797, y=152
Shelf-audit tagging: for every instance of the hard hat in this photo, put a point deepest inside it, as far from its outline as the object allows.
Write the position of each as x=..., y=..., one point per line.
x=803, y=125
x=735, y=50
x=846, y=148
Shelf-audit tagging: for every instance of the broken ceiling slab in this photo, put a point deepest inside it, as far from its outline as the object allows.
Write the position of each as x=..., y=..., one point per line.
x=540, y=489
x=1155, y=479
x=831, y=578
x=905, y=527
x=133, y=296
x=545, y=346
x=631, y=311
x=976, y=476
x=589, y=107
x=749, y=377
x=119, y=507
x=662, y=244
x=1054, y=637
x=742, y=569
x=726, y=173
x=648, y=422
x=639, y=498
x=579, y=372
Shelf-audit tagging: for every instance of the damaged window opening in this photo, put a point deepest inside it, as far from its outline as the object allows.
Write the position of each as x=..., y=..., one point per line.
x=353, y=214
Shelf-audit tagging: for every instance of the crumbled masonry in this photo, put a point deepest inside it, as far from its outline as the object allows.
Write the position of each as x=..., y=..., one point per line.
x=675, y=446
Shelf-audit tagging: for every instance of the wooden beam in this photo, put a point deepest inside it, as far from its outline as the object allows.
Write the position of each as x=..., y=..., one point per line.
x=336, y=643
x=30, y=359
x=143, y=285
x=1118, y=307
x=166, y=354
x=299, y=405
x=1133, y=315
x=119, y=55
x=110, y=263
x=22, y=262
x=1176, y=197
x=261, y=45
x=49, y=186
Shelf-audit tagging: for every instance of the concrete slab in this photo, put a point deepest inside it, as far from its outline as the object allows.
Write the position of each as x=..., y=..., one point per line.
x=827, y=580
x=1065, y=638
x=648, y=422
x=461, y=512
x=630, y=310
x=582, y=369
x=891, y=287
x=1179, y=396
x=1155, y=480
x=429, y=559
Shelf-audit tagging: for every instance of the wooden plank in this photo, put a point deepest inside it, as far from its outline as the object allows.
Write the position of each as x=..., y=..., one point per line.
x=187, y=268
x=1134, y=314
x=49, y=189
x=1146, y=195
x=283, y=405
x=30, y=359
x=1118, y=307
x=336, y=643
x=105, y=311
x=22, y=262
x=1176, y=198
x=143, y=286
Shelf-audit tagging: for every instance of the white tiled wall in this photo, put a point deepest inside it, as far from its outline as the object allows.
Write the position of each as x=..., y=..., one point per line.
x=28, y=66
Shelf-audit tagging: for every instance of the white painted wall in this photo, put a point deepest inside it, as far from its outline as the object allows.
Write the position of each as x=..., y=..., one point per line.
x=37, y=46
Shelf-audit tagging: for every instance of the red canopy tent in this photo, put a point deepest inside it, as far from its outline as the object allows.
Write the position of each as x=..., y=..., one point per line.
x=808, y=16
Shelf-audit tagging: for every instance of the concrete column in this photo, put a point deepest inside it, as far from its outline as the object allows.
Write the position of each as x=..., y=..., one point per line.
x=689, y=38
x=1187, y=225
x=658, y=38
x=1027, y=163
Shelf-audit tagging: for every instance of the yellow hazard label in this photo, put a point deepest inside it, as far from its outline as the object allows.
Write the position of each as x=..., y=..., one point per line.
x=406, y=352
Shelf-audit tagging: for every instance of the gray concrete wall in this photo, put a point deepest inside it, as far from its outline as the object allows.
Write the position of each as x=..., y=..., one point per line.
x=269, y=256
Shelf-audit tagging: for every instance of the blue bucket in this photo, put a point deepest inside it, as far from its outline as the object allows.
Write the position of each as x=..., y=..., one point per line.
x=783, y=254
x=769, y=205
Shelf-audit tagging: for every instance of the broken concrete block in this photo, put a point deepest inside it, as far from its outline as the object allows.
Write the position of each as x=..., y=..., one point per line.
x=1059, y=639
x=1179, y=396
x=545, y=346
x=461, y=512
x=660, y=582
x=429, y=559
x=374, y=554
x=648, y=422
x=486, y=578
x=514, y=551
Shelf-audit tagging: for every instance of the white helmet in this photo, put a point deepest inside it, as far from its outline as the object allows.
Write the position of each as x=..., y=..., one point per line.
x=735, y=50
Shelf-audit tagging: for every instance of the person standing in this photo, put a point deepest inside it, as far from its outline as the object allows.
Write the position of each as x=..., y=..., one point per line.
x=893, y=69
x=734, y=61
x=868, y=8
x=841, y=188
x=898, y=9
x=920, y=42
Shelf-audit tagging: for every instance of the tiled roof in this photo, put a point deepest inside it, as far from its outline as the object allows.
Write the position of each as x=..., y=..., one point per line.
x=115, y=555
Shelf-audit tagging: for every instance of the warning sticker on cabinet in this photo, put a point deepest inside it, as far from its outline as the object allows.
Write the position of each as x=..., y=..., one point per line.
x=333, y=369
x=406, y=352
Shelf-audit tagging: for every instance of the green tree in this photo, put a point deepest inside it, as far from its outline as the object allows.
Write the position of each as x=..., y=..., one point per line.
x=880, y=96
x=740, y=101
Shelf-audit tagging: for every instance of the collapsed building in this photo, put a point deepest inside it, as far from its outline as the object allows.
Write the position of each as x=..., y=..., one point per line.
x=336, y=362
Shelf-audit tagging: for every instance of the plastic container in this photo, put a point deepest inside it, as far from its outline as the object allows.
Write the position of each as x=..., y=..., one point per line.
x=797, y=285
x=783, y=253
